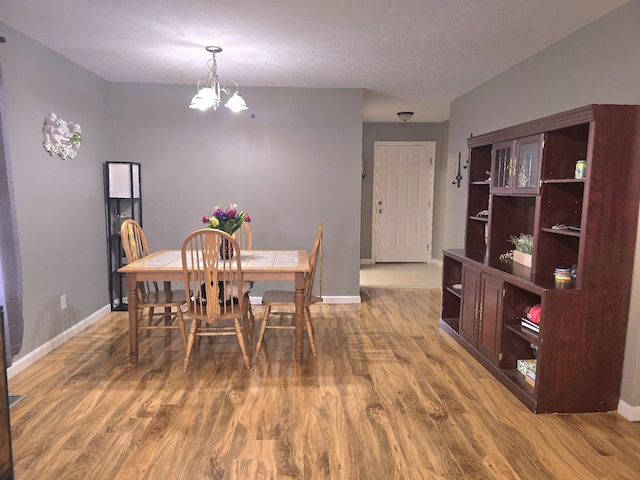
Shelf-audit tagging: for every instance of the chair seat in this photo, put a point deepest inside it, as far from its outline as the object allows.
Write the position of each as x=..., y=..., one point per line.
x=173, y=298
x=285, y=298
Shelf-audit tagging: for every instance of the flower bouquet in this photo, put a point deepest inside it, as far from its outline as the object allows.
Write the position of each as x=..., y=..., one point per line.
x=227, y=219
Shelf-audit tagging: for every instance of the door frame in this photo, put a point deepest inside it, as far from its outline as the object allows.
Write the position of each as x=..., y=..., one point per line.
x=374, y=196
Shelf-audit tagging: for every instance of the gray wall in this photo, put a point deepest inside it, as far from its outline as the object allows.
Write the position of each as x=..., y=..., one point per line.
x=597, y=64
x=403, y=132
x=59, y=203
x=295, y=164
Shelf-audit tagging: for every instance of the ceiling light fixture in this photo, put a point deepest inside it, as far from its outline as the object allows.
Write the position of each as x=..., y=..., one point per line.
x=209, y=89
x=404, y=116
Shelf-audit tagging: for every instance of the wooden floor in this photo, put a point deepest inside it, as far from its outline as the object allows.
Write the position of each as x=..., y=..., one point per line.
x=389, y=396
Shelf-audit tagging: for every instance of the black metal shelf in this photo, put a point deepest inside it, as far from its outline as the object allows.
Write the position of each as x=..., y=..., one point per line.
x=123, y=199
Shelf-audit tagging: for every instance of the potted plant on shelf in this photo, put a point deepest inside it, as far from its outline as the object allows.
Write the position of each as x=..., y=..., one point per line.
x=523, y=249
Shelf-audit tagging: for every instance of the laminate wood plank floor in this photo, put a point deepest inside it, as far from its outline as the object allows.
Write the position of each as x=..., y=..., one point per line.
x=389, y=396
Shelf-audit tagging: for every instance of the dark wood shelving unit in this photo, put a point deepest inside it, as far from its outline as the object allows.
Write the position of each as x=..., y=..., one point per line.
x=532, y=188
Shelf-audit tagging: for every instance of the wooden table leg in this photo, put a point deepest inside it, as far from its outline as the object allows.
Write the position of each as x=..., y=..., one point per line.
x=167, y=310
x=133, y=318
x=299, y=316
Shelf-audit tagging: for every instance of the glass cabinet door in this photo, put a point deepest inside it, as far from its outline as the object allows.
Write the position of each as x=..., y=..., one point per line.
x=515, y=166
x=501, y=166
x=527, y=166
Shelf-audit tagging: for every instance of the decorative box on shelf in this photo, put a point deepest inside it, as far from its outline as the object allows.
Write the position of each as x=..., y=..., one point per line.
x=527, y=366
x=522, y=258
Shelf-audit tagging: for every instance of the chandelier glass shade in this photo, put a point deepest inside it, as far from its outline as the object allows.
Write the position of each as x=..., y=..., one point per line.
x=209, y=89
x=236, y=103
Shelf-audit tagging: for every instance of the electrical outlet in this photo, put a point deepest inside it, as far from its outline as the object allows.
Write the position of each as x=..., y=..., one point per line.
x=63, y=302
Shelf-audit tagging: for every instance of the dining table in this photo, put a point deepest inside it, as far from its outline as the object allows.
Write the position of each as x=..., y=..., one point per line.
x=257, y=265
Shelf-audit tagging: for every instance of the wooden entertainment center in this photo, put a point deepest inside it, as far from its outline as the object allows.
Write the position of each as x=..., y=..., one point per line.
x=525, y=179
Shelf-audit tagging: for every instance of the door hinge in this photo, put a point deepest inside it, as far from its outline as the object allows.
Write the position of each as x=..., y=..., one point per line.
x=504, y=293
x=500, y=356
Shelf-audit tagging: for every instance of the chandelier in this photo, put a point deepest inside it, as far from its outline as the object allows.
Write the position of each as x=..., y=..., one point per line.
x=209, y=89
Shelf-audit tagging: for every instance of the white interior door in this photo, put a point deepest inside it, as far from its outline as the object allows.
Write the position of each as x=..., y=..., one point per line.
x=403, y=201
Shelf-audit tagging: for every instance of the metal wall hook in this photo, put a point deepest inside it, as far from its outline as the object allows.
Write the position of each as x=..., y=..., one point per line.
x=458, y=176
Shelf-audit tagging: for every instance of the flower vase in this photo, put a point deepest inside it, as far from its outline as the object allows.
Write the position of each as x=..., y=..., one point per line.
x=226, y=249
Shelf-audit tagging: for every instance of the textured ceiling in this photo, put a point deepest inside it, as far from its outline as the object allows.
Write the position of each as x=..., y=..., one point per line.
x=407, y=54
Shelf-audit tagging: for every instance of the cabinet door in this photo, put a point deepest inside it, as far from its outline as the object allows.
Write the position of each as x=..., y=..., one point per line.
x=490, y=318
x=526, y=173
x=515, y=166
x=501, y=167
x=470, y=304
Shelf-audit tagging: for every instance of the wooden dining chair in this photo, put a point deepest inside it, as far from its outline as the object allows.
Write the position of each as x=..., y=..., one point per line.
x=159, y=302
x=215, y=287
x=286, y=298
x=244, y=237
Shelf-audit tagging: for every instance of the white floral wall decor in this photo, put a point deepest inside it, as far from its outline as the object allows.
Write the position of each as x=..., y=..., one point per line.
x=61, y=138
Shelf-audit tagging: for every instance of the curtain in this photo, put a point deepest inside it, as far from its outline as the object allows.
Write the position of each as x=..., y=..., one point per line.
x=11, y=279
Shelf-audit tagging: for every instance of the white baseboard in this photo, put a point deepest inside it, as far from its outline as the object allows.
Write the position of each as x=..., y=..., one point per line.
x=369, y=261
x=335, y=300
x=629, y=412
x=31, y=358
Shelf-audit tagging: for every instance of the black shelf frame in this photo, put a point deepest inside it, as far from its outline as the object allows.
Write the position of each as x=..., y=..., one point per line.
x=123, y=199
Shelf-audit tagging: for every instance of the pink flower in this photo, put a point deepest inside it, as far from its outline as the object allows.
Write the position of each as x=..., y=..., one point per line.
x=205, y=219
x=247, y=218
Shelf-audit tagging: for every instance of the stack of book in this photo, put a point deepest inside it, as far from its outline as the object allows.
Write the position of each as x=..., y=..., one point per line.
x=529, y=325
x=527, y=368
x=531, y=321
